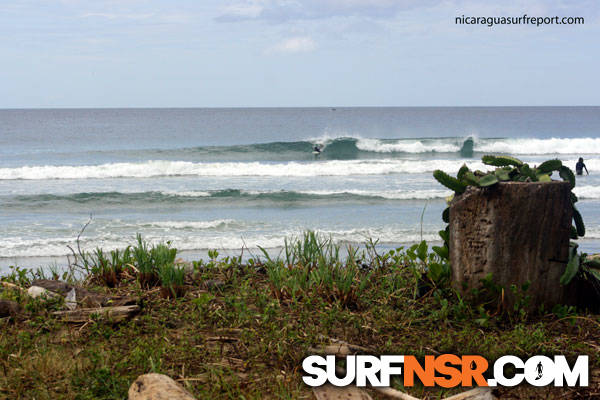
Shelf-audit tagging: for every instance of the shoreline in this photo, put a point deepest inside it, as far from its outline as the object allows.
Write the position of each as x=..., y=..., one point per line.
x=591, y=246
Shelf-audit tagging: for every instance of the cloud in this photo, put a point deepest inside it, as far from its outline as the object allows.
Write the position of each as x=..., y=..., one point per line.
x=299, y=44
x=286, y=10
x=117, y=16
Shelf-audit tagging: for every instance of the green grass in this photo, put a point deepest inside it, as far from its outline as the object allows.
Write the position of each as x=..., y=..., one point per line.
x=271, y=311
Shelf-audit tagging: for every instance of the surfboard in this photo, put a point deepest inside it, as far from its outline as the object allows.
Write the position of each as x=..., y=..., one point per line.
x=316, y=153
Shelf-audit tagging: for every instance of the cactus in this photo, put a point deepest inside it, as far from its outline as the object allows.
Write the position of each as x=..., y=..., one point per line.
x=543, y=178
x=574, y=233
x=528, y=172
x=501, y=161
x=502, y=174
x=462, y=171
x=470, y=179
x=488, y=180
x=578, y=222
x=572, y=266
x=549, y=166
x=567, y=175
x=448, y=181
x=446, y=215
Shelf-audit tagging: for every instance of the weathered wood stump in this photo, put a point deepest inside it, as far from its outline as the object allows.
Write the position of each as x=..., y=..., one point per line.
x=518, y=232
x=157, y=387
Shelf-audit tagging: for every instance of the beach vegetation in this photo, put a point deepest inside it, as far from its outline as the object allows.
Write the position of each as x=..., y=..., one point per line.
x=242, y=326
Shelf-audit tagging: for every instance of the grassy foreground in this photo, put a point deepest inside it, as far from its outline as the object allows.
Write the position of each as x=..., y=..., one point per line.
x=241, y=330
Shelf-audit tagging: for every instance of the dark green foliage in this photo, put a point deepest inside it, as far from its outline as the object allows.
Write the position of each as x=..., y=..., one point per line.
x=527, y=172
x=503, y=174
x=488, y=180
x=574, y=233
x=448, y=181
x=572, y=265
x=462, y=171
x=501, y=161
x=549, y=166
x=446, y=215
x=444, y=235
x=442, y=251
x=469, y=178
x=578, y=222
x=567, y=175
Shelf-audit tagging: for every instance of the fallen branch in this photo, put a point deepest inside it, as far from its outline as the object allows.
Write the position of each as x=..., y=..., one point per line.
x=115, y=314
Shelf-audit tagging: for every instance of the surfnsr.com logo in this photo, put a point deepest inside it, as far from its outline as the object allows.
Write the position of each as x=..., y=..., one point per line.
x=446, y=370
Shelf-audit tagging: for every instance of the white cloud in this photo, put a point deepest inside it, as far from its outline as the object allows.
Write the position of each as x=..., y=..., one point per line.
x=241, y=11
x=299, y=44
x=117, y=16
x=286, y=10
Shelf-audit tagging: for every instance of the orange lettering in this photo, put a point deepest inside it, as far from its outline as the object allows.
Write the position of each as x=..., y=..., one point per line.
x=412, y=366
x=454, y=373
x=473, y=367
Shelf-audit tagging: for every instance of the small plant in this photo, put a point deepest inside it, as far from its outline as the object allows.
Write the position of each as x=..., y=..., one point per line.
x=147, y=274
x=313, y=266
x=172, y=279
x=109, y=269
x=162, y=254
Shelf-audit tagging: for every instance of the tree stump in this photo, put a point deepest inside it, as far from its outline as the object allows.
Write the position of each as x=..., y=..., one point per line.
x=157, y=387
x=519, y=233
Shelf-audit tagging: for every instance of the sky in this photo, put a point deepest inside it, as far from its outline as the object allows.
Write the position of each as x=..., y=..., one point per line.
x=286, y=53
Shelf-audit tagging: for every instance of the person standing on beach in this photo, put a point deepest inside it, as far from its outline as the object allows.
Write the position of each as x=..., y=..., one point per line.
x=580, y=166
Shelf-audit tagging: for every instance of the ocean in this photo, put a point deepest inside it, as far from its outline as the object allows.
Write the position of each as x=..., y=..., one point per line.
x=226, y=178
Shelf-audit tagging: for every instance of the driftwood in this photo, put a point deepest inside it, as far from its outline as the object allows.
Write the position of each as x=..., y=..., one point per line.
x=12, y=286
x=330, y=392
x=115, y=314
x=482, y=393
x=84, y=297
x=157, y=387
x=518, y=233
x=9, y=308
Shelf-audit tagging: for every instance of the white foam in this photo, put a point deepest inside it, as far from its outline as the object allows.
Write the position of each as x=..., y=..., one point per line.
x=54, y=247
x=150, y=169
x=530, y=146
x=192, y=193
x=539, y=146
x=587, y=192
x=407, y=146
x=219, y=223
